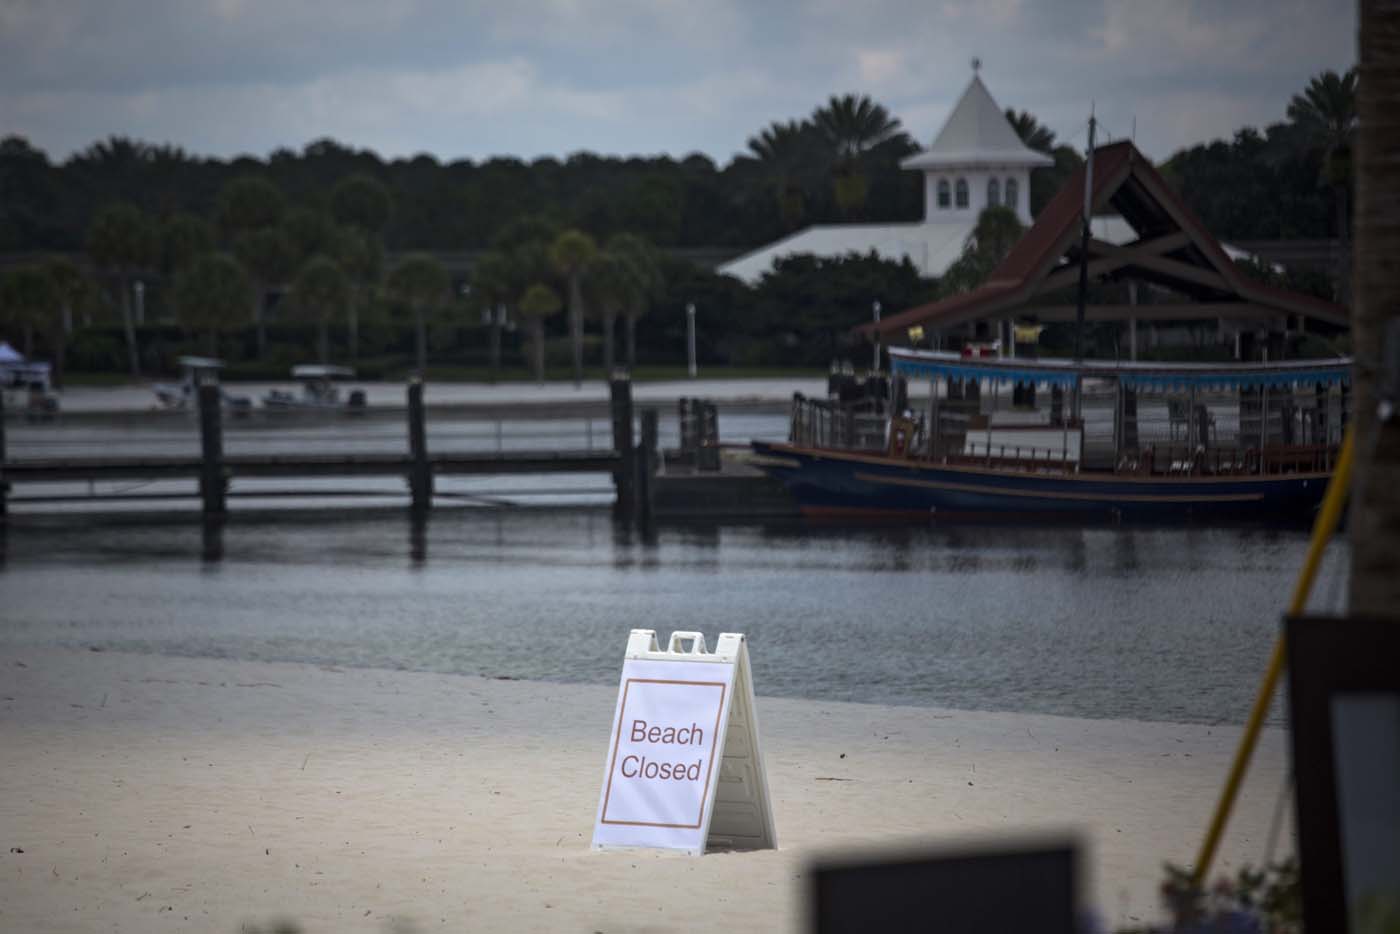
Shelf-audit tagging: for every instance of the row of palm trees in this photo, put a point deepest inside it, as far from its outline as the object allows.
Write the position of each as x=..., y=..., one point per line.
x=218, y=273
x=521, y=274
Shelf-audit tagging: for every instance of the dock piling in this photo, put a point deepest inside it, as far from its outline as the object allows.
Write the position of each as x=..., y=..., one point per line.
x=212, y=484
x=4, y=485
x=624, y=477
x=420, y=472
x=645, y=461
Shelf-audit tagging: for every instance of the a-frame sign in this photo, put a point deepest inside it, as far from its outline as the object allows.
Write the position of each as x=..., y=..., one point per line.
x=684, y=768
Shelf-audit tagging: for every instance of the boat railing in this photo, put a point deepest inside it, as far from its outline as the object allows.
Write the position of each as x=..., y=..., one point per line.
x=820, y=423
x=1180, y=459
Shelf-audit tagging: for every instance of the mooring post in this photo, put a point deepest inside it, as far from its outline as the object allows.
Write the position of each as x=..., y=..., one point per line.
x=4, y=484
x=211, y=445
x=624, y=477
x=646, y=457
x=420, y=473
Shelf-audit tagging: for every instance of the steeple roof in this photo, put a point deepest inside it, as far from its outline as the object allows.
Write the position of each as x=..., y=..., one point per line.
x=976, y=133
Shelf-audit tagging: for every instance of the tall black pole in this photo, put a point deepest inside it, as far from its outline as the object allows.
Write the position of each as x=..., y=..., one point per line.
x=1083, y=269
x=211, y=443
x=420, y=474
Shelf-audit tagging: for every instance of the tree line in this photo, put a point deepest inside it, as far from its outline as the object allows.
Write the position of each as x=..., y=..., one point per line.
x=298, y=241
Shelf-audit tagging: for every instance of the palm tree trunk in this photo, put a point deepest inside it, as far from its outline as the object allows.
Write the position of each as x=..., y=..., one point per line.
x=1343, y=246
x=495, y=343
x=259, y=306
x=1375, y=512
x=323, y=340
x=631, y=341
x=212, y=342
x=129, y=326
x=29, y=340
x=609, y=321
x=537, y=347
x=353, y=327
x=60, y=356
x=420, y=329
x=576, y=326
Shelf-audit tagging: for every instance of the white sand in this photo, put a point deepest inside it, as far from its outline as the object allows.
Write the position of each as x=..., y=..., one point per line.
x=154, y=794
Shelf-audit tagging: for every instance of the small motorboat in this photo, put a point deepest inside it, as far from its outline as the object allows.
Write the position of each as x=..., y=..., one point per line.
x=180, y=396
x=318, y=391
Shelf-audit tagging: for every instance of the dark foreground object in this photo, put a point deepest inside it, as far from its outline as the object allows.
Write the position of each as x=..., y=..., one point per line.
x=1344, y=694
x=959, y=893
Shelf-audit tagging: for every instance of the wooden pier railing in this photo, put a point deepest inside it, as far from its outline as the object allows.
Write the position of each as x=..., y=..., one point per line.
x=630, y=465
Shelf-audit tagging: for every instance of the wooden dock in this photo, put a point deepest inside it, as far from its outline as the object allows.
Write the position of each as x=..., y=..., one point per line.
x=693, y=483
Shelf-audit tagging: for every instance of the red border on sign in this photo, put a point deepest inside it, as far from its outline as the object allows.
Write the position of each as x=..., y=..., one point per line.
x=617, y=740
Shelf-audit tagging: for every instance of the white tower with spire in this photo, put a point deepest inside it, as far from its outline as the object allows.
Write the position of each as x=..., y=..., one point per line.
x=976, y=161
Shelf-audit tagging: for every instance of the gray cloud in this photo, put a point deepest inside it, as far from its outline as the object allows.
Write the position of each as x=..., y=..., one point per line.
x=635, y=76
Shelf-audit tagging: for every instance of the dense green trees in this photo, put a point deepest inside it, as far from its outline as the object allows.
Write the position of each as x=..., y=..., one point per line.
x=996, y=233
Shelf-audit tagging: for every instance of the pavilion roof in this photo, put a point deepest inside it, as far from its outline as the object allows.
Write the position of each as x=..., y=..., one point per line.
x=1173, y=249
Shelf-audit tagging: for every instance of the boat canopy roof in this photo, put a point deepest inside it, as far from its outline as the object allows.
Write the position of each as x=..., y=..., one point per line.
x=321, y=371
x=931, y=364
x=200, y=363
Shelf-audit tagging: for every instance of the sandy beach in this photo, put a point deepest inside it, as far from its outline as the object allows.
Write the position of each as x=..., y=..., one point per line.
x=149, y=793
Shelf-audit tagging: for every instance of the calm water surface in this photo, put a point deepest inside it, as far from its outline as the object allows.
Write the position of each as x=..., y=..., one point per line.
x=1163, y=624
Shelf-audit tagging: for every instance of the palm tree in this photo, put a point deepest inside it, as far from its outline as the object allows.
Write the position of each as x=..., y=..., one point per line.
x=122, y=242
x=361, y=255
x=853, y=124
x=319, y=291
x=248, y=202
x=183, y=238
x=421, y=283
x=1326, y=112
x=248, y=209
x=1033, y=133
x=788, y=151
x=211, y=295
x=641, y=264
x=1375, y=512
x=71, y=288
x=361, y=205
x=537, y=303
x=361, y=201
x=610, y=282
x=270, y=259
x=311, y=233
x=570, y=254
x=492, y=286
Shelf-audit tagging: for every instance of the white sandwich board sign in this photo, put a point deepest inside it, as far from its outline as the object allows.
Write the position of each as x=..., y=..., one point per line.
x=684, y=769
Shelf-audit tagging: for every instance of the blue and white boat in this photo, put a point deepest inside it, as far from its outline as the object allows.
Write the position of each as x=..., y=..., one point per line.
x=1150, y=441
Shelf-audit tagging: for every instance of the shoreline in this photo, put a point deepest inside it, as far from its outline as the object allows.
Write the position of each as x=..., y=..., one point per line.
x=228, y=792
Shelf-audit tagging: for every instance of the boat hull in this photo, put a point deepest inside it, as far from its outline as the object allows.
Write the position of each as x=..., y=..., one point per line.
x=834, y=483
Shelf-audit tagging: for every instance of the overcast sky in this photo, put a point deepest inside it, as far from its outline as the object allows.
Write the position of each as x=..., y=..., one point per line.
x=462, y=78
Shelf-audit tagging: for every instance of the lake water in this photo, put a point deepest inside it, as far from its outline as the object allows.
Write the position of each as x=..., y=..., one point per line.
x=1158, y=624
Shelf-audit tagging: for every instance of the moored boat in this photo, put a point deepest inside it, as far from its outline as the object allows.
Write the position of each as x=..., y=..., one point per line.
x=1149, y=442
